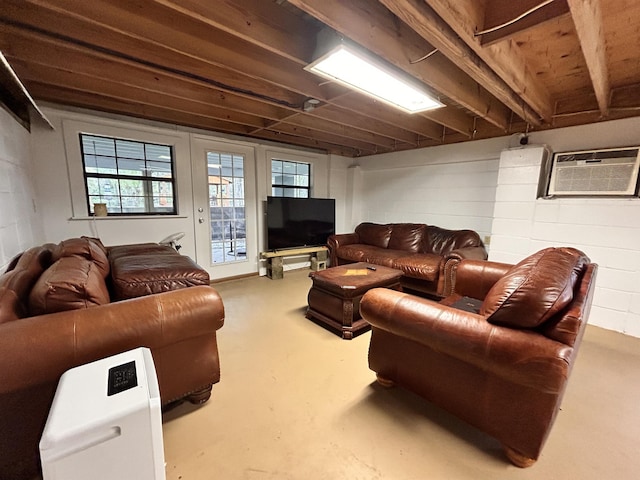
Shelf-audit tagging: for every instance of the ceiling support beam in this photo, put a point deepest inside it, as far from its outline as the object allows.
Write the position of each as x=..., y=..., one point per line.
x=465, y=17
x=587, y=17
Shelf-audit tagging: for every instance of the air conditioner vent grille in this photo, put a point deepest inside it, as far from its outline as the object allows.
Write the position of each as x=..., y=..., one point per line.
x=601, y=172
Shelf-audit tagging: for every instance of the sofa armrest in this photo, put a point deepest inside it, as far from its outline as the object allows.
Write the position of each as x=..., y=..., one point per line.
x=40, y=349
x=451, y=259
x=521, y=356
x=336, y=241
x=471, y=253
x=474, y=278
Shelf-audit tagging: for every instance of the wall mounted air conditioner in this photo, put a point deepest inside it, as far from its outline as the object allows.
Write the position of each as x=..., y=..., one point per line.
x=611, y=172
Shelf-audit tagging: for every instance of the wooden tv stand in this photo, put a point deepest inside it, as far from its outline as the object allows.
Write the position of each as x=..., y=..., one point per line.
x=274, y=258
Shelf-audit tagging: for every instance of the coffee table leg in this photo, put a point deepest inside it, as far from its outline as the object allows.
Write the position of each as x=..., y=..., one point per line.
x=347, y=318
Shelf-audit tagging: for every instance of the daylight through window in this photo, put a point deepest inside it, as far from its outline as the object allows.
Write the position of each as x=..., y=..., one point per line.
x=131, y=177
x=290, y=179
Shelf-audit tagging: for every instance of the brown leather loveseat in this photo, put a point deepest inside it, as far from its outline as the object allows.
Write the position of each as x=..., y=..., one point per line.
x=424, y=253
x=498, y=352
x=69, y=304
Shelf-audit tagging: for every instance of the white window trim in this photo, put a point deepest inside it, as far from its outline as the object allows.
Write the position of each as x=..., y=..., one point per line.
x=319, y=186
x=75, y=169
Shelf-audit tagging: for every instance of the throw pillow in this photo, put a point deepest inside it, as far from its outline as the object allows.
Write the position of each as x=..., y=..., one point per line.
x=535, y=289
x=70, y=283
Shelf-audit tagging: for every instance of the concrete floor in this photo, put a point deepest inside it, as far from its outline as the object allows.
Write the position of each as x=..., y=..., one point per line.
x=297, y=402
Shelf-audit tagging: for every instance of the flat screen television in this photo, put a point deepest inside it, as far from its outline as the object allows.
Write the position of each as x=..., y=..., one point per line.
x=299, y=222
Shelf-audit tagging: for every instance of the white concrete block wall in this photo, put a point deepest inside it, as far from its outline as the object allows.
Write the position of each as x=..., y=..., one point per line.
x=452, y=186
x=515, y=202
x=606, y=229
x=20, y=220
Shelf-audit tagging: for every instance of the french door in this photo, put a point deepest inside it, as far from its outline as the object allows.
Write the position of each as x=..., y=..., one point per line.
x=225, y=213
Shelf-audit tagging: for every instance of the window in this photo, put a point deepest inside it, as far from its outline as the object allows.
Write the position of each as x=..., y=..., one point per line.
x=131, y=177
x=290, y=179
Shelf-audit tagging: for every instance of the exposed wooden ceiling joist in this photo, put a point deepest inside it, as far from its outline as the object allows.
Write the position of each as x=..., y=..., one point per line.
x=587, y=16
x=504, y=58
x=237, y=66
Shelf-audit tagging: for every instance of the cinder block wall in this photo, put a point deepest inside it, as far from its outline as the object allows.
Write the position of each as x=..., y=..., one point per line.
x=20, y=220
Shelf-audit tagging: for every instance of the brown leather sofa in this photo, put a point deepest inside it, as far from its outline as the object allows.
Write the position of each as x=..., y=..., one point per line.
x=498, y=352
x=424, y=253
x=69, y=304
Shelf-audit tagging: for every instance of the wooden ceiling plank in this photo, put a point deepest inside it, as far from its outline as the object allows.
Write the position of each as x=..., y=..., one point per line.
x=243, y=18
x=41, y=50
x=109, y=88
x=328, y=126
x=289, y=129
x=336, y=149
x=65, y=25
x=255, y=21
x=47, y=48
x=373, y=27
x=82, y=100
x=499, y=12
x=587, y=17
x=158, y=27
x=353, y=119
x=374, y=109
x=94, y=101
x=465, y=17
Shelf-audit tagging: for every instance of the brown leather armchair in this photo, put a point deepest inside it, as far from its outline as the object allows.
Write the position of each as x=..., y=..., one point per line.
x=498, y=352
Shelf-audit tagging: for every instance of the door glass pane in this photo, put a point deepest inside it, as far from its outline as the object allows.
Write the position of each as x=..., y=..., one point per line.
x=226, y=207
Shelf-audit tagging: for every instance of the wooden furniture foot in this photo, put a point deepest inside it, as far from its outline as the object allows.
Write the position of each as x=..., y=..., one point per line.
x=385, y=382
x=518, y=459
x=201, y=396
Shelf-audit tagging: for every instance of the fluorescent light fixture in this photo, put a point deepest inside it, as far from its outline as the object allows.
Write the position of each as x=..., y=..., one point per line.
x=355, y=70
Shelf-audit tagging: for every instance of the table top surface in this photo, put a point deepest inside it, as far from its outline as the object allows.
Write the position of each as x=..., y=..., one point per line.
x=356, y=276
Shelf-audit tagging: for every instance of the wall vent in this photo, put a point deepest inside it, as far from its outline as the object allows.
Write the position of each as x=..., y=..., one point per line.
x=611, y=172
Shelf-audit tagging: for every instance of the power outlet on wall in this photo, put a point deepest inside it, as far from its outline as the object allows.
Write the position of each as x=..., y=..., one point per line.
x=487, y=239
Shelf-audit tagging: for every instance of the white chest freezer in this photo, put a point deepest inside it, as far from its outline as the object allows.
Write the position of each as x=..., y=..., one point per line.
x=106, y=422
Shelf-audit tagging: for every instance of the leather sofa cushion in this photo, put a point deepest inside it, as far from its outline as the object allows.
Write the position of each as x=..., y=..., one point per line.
x=139, y=249
x=354, y=252
x=84, y=247
x=384, y=257
x=359, y=252
x=71, y=283
x=535, y=289
x=18, y=282
x=424, y=266
x=442, y=241
x=374, y=234
x=407, y=237
x=145, y=274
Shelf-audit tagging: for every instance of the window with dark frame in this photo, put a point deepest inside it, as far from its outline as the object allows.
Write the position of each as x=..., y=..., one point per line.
x=131, y=177
x=290, y=179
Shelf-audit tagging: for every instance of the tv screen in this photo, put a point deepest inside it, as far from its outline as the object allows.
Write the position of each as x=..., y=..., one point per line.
x=299, y=222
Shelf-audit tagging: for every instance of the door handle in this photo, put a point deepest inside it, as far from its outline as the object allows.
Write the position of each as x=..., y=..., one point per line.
x=201, y=220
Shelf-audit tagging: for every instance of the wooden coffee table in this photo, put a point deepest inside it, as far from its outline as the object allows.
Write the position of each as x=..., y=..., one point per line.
x=334, y=297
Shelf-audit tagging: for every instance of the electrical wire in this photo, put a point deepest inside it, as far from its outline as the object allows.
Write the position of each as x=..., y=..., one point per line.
x=511, y=22
x=435, y=50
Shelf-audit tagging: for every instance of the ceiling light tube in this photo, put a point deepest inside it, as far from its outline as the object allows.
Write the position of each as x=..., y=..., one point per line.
x=358, y=71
